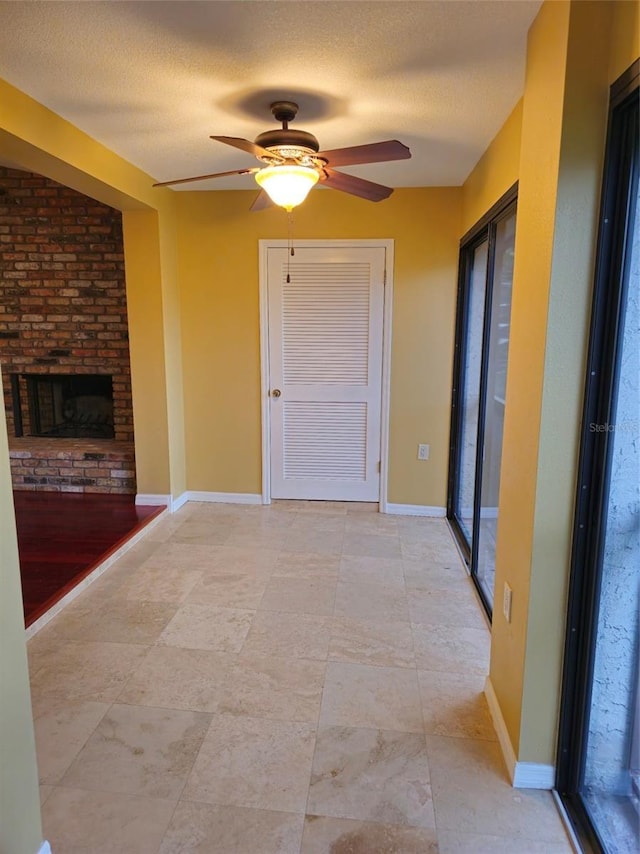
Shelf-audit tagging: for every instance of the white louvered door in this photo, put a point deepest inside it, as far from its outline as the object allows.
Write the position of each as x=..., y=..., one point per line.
x=325, y=357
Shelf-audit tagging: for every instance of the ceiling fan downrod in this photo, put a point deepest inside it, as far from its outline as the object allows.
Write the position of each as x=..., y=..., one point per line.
x=285, y=112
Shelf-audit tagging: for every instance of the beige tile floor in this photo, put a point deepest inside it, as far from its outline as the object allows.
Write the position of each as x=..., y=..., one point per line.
x=271, y=680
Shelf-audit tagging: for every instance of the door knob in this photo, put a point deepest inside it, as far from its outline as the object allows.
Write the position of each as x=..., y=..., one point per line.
x=276, y=392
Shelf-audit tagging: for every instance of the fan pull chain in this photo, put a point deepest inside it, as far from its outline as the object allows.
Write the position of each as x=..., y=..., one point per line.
x=290, y=250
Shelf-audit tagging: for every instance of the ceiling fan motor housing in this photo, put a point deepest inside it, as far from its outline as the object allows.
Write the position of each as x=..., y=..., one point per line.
x=288, y=138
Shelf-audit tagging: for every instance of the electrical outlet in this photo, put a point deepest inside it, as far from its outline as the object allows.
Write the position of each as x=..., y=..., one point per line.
x=423, y=452
x=506, y=602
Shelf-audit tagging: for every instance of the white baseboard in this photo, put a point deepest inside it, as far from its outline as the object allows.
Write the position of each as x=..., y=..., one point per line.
x=153, y=500
x=500, y=727
x=413, y=510
x=523, y=775
x=179, y=502
x=42, y=621
x=191, y=495
x=224, y=497
x=45, y=848
x=534, y=775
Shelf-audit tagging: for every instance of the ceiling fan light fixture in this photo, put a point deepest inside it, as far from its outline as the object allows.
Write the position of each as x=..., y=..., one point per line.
x=287, y=184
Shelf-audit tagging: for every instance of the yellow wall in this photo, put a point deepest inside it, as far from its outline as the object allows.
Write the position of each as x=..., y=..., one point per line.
x=586, y=100
x=173, y=390
x=218, y=269
x=625, y=37
x=540, y=153
x=20, y=828
x=495, y=172
x=145, y=316
x=155, y=344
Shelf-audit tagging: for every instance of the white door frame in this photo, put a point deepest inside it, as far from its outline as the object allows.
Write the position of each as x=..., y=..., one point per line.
x=264, y=246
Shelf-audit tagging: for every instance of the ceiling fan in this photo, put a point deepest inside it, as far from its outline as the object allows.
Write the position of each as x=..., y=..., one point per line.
x=293, y=163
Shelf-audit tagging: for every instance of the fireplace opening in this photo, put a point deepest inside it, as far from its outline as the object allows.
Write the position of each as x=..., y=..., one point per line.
x=62, y=406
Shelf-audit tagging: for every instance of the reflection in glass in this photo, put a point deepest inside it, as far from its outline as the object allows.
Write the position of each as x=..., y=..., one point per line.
x=471, y=390
x=495, y=403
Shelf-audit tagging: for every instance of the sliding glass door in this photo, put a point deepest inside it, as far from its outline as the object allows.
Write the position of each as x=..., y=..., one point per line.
x=478, y=403
x=600, y=730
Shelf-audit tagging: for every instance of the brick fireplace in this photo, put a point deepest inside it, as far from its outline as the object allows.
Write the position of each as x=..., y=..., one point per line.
x=64, y=338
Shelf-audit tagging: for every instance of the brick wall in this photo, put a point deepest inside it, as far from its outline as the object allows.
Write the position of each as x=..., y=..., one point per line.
x=62, y=289
x=72, y=465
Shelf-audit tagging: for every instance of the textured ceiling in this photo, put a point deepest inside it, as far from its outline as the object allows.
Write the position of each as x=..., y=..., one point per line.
x=152, y=80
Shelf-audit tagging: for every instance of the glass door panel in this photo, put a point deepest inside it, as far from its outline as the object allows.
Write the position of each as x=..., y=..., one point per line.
x=470, y=386
x=494, y=404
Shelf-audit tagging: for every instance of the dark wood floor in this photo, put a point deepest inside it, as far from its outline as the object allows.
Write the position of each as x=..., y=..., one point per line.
x=62, y=536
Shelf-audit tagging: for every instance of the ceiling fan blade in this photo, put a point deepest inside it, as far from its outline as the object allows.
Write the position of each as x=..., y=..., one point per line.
x=261, y=201
x=206, y=177
x=355, y=186
x=374, y=152
x=244, y=145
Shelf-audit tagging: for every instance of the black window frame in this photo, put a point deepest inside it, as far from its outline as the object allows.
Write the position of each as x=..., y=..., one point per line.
x=622, y=164
x=484, y=229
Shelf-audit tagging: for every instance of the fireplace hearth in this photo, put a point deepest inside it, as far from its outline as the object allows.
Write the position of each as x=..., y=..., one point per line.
x=78, y=406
